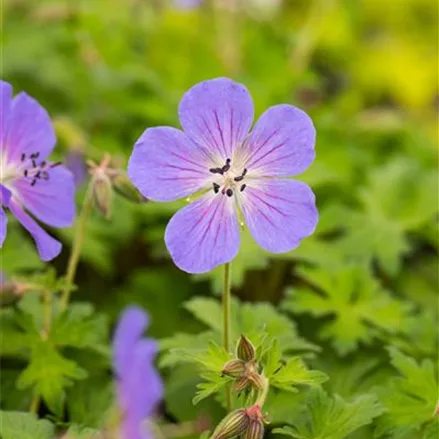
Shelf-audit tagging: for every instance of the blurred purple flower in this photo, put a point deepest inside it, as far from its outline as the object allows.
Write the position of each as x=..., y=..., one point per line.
x=139, y=385
x=187, y=4
x=234, y=169
x=75, y=163
x=27, y=180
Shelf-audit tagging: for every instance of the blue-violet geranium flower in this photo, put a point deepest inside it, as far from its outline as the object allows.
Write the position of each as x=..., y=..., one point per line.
x=239, y=173
x=27, y=179
x=139, y=386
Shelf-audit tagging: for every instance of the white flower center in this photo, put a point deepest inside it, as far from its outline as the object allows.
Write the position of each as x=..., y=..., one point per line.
x=229, y=179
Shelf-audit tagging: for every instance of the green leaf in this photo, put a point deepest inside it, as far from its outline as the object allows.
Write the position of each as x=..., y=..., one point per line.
x=326, y=417
x=50, y=373
x=295, y=373
x=359, y=307
x=80, y=327
x=76, y=431
x=410, y=399
x=19, y=425
x=89, y=400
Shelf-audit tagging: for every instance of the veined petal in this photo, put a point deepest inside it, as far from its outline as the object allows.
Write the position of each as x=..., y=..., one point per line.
x=128, y=333
x=279, y=213
x=3, y=226
x=5, y=195
x=217, y=114
x=166, y=165
x=203, y=234
x=281, y=143
x=30, y=129
x=47, y=247
x=51, y=201
x=5, y=109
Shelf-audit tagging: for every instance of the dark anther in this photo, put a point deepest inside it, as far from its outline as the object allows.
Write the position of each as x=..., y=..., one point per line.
x=229, y=192
x=33, y=182
x=216, y=187
x=38, y=174
x=242, y=187
x=228, y=161
x=23, y=157
x=240, y=178
x=35, y=155
x=45, y=175
x=244, y=172
x=34, y=164
x=42, y=164
x=25, y=172
x=216, y=170
x=55, y=164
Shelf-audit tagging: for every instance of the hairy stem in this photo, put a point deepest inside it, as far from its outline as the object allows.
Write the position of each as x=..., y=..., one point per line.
x=226, y=323
x=77, y=247
x=264, y=392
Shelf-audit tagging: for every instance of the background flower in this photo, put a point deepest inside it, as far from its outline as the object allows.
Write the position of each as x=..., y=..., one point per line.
x=234, y=169
x=27, y=179
x=139, y=385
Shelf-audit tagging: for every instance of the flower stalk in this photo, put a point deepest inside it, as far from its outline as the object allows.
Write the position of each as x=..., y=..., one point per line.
x=226, y=323
x=81, y=226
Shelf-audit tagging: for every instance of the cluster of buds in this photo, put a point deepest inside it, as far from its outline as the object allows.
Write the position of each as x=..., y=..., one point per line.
x=248, y=423
x=244, y=368
x=105, y=178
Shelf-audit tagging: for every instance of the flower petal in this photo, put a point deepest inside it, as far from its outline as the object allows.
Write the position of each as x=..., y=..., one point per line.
x=47, y=247
x=3, y=226
x=132, y=324
x=279, y=213
x=5, y=109
x=217, y=114
x=281, y=143
x=30, y=129
x=5, y=195
x=51, y=201
x=203, y=234
x=165, y=165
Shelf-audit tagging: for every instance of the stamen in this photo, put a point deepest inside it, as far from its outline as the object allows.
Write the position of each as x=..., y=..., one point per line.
x=34, y=164
x=216, y=170
x=242, y=187
x=53, y=165
x=244, y=172
x=43, y=164
x=35, y=155
x=229, y=192
x=240, y=178
x=38, y=174
x=25, y=172
x=33, y=182
x=216, y=187
x=226, y=167
x=23, y=157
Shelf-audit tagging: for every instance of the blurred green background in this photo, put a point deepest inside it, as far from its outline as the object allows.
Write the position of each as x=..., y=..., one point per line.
x=366, y=72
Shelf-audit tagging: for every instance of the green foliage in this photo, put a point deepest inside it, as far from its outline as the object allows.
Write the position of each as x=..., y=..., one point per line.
x=360, y=307
x=326, y=417
x=410, y=399
x=20, y=425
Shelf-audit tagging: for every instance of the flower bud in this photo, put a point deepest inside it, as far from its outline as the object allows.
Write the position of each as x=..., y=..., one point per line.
x=234, y=424
x=234, y=368
x=102, y=194
x=245, y=350
x=241, y=384
x=124, y=187
x=255, y=430
x=256, y=380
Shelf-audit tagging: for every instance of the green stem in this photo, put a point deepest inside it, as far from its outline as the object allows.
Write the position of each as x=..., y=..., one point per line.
x=47, y=308
x=77, y=247
x=226, y=323
x=264, y=392
x=34, y=404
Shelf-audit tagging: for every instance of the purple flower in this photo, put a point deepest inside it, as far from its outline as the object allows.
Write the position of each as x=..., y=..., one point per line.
x=237, y=172
x=139, y=385
x=187, y=4
x=27, y=179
